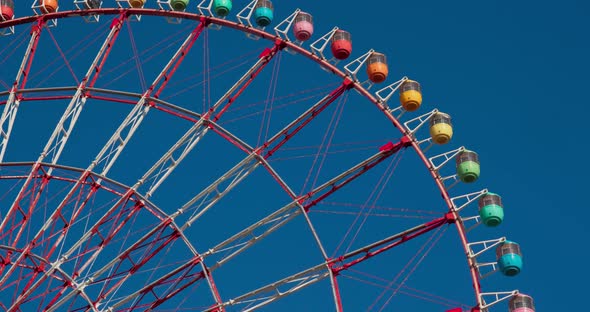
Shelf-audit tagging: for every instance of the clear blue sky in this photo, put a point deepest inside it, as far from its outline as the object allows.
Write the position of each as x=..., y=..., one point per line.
x=511, y=74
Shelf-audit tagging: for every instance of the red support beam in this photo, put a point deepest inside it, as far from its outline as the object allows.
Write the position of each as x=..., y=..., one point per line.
x=288, y=132
x=370, y=251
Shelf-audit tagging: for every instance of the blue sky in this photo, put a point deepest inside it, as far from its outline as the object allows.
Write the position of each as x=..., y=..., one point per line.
x=510, y=74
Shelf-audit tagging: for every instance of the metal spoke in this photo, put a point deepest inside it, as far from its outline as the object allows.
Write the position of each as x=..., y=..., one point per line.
x=169, y=161
x=184, y=145
x=248, y=164
x=218, y=189
x=66, y=124
x=62, y=132
x=108, y=155
x=110, y=152
x=11, y=106
x=154, y=248
x=277, y=219
x=274, y=291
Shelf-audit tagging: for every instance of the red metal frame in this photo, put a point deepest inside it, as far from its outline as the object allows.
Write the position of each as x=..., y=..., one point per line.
x=451, y=216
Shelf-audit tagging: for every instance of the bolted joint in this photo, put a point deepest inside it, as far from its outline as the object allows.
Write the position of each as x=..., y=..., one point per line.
x=335, y=269
x=348, y=83
x=406, y=141
x=450, y=217
x=205, y=21
x=46, y=178
x=280, y=43
x=117, y=22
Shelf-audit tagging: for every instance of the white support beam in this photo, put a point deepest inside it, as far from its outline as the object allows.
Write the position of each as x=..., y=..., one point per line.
x=476, y=249
x=495, y=297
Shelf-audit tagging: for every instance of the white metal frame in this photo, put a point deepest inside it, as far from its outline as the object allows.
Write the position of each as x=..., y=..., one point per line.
x=83, y=5
x=476, y=249
x=359, y=62
x=38, y=7
x=7, y=31
x=323, y=42
x=498, y=297
x=486, y=269
x=484, y=246
x=124, y=4
x=384, y=97
x=420, y=120
x=245, y=19
x=167, y=6
x=286, y=24
x=470, y=198
x=282, y=29
x=447, y=157
x=206, y=10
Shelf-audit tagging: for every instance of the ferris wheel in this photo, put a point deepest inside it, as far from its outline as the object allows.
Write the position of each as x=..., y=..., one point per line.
x=212, y=156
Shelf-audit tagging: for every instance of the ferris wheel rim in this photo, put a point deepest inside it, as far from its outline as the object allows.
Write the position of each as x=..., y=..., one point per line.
x=356, y=85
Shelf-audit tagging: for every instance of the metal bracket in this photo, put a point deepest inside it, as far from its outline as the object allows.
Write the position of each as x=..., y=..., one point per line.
x=359, y=62
x=245, y=19
x=498, y=297
x=282, y=29
x=390, y=89
x=492, y=265
x=383, y=99
x=167, y=6
x=475, y=219
x=83, y=5
x=471, y=197
x=484, y=245
x=420, y=120
x=446, y=156
x=206, y=10
x=318, y=46
x=39, y=7
x=127, y=5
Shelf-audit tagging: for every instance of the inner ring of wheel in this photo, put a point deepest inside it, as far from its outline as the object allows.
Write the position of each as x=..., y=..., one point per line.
x=118, y=189
x=299, y=50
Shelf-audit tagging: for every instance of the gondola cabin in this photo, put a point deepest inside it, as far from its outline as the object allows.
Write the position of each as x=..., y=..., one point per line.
x=377, y=67
x=410, y=95
x=441, y=129
x=6, y=9
x=179, y=5
x=521, y=303
x=137, y=4
x=491, y=209
x=222, y=8
x=49, y=6
x=468, y=166
x=509, y=258
x=303, y=26
x=263, y=13
x=341, y=44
